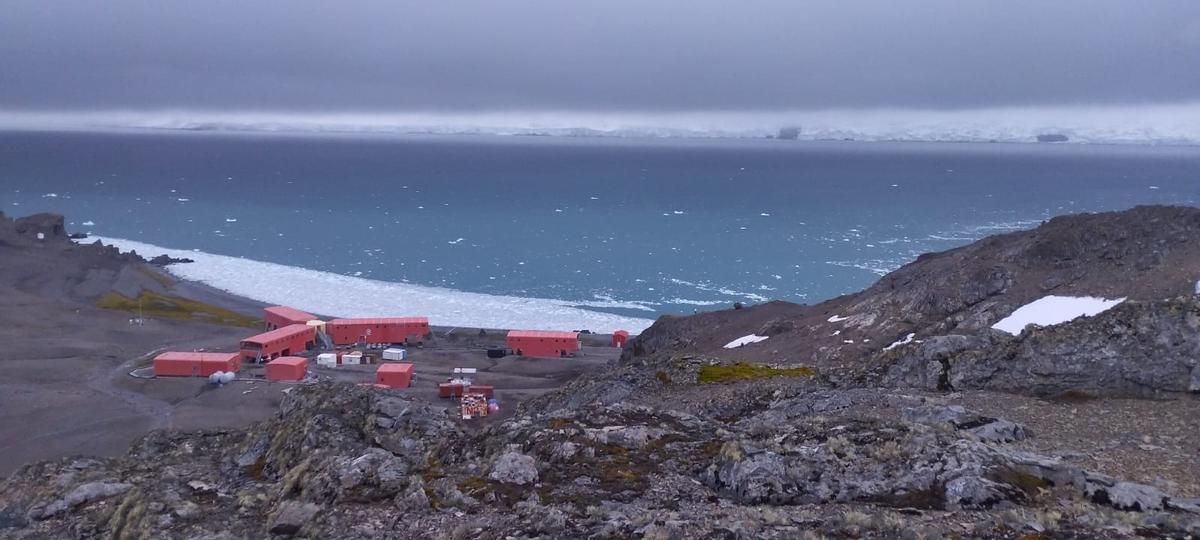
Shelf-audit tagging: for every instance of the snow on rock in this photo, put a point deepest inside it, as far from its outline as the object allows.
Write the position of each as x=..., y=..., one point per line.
x=1051, y=310
x=837, y=318
x=745, y=340
x=905, y=341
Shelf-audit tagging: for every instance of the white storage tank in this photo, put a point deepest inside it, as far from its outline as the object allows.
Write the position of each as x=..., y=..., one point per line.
x=395, y=354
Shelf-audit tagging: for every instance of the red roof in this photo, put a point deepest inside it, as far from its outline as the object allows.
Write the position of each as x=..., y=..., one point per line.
x=382, y=320
x=292, y=314
x=621, y=333
x=542, y=334
x=279, y=333
x=196, y=356
x=289, y=361
x=398, y=368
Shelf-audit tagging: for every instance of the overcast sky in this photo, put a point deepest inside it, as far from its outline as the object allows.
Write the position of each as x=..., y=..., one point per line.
x=606, y=55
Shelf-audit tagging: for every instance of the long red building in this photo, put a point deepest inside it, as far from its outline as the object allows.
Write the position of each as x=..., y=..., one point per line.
x=543, y=344
x=195, y=364
x=281, y=316
x=379, y=330
x=284, y=341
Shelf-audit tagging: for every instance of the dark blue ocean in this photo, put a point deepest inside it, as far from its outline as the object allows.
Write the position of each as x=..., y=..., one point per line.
x=635, y=227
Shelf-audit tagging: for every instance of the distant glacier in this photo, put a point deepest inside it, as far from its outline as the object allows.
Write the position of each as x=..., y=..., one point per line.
x=1176, y=124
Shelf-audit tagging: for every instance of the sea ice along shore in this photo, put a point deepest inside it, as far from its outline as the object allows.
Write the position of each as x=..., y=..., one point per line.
x=337, y=295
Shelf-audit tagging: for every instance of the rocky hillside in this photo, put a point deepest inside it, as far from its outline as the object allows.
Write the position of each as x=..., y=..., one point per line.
x=1146, y=253
x=345, y=461
x=800, y=436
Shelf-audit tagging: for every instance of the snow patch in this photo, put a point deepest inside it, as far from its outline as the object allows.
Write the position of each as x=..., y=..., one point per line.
x=836, y=318
x=1052, y=310
x=904, y=341
x=745, y=340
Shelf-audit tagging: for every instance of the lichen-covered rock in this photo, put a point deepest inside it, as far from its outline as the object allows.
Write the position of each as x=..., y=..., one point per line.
x=82, y=495
x=514, y=468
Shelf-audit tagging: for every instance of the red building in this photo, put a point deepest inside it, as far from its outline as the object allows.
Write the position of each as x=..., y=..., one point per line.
x=287, y=368
x=279, y=342
x=619, y=338
x=394, y=375
x=543, y=344
x=195, y=364
x=281, y=316
x=381, y=330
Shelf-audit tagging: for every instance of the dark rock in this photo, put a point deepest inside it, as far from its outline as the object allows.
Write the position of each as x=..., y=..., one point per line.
x=291, y=516
x=1052, y=137
x=163, y=260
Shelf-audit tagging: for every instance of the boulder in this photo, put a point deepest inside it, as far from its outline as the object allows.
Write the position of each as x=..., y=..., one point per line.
x=291, y=516
x=514, y=468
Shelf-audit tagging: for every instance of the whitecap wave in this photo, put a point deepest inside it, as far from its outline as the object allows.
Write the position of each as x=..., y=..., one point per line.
x=337, y=295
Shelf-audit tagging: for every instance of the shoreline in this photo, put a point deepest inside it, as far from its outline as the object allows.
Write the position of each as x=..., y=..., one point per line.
x=338, y=295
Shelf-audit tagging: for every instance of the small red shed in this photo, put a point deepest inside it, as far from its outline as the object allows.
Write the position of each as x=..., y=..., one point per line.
x=281, y=316
x=195, y=364
x=279, y=342
x=394, y=375
x=378, y=330
x=287, y=368
x=450, y=390
x=486, y=389
x=543, y=344
x=619, y=338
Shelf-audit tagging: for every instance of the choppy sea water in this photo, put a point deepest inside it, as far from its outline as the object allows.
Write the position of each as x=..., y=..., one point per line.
x=608, y=232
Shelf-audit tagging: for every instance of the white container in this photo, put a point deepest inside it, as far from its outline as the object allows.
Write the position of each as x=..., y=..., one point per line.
x=351, y=359
x=327, y=360
x=395, y=354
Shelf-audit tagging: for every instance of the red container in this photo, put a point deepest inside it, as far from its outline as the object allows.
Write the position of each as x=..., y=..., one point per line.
x=287, y=368
x=281, y=316
x=619, y=338
x=281, y=342
x=212, y=363
x=394, y=375
x=195, y=364
x=543, y=344
x=381, y=330
x=486, y=389
x=450, y=390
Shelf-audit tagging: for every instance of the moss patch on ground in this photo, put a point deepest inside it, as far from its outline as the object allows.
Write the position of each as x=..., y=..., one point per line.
x=174, y=307
x=742, y=371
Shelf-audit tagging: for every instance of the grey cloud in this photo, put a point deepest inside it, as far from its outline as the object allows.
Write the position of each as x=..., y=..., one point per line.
x=594, y=55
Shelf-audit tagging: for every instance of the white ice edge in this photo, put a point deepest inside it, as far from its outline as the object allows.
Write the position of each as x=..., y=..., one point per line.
x=1051, y=310
x=745, y=340
x=346, y=296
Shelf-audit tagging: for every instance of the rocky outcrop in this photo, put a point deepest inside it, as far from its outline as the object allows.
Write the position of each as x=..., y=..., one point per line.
x=1144, y=254
x=352, y=461
x=1137, y=349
